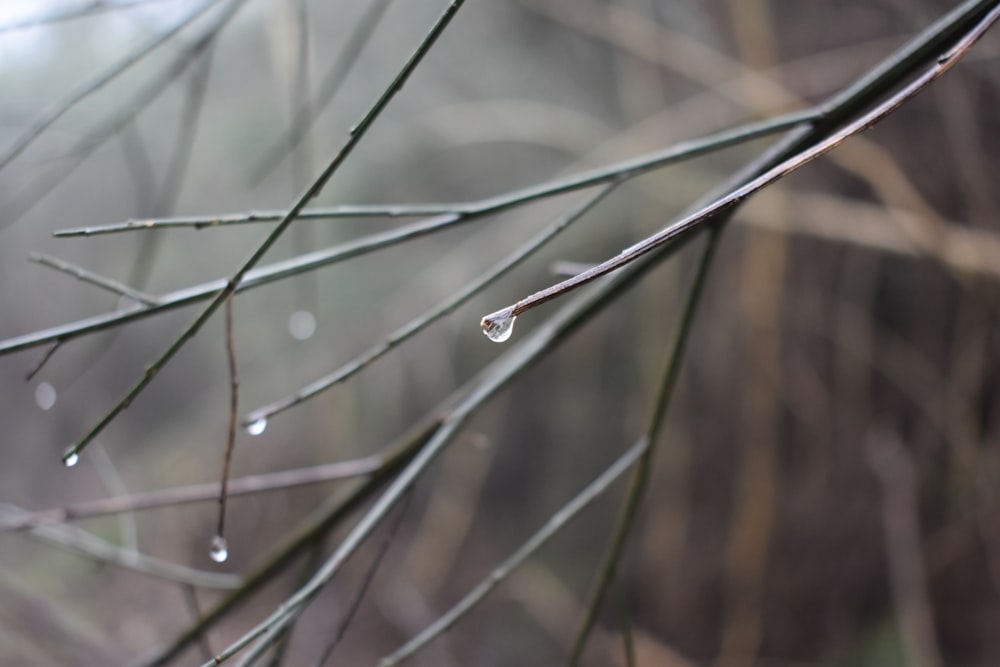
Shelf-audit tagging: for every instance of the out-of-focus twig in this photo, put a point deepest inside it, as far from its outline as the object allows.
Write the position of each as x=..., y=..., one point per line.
x=897, y=476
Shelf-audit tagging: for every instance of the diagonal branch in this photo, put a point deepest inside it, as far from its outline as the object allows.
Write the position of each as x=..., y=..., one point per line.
x=355, y=135
x=940, y=66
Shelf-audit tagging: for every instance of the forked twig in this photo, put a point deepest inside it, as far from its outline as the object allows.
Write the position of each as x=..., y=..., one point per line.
x=630, y=254
x=356, y=133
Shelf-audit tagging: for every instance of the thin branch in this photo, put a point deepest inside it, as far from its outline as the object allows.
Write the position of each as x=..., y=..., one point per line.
x=555, y=522
x=241, y=486
x=577, y=311
x=366, y=583
x=447, y=215
x=191, y=599
x=342, y=65
x=220, y=551
x=49, y=351
x=622, y=170
x=91, y=546
x=83, y=275
x=867, y=120
x=151, y=90
x=419, y=323
x=642, y=473
x=897, y=476
x=83, y=11
x=314, y=529
x=356, y=133
x=57, y=110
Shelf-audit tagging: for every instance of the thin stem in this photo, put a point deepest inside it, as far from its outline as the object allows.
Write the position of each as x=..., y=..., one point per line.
x=234, y=401
x=640, y=477
x=315, y=528
x=547, y=336
x=83, y=275
x=151, y=90
x=808, y=154
x=366, y=583
x=49, y=351
x=57, y=16
x=342, y=65
x=357, y=132
x=241, y=486
x=80, y=541
x=447, y=215
x=419, y=323
x=555, y=522
x=622, y=170
x=57, y=110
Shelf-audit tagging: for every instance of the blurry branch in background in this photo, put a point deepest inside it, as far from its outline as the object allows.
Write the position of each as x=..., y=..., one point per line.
x=80, y=541
x=447, y=216
x=966, y=21
x=622, y=170
x=241, y=486
x=424, y=320
x=893, y=466
x=639, y=452
x=630, y=254
x=640, y=477
x=92, y=8
x=356, y=133
x=366, y=582
x=91, y=278
x=46, y=119
x=555, y=522
x=96, y=137
x=307, y=114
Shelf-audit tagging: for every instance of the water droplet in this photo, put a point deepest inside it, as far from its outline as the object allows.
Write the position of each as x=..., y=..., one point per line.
x=71, y=459
x=499, y=326
x=257, y=426
x=45, y=395
x=219, y=550
x=302, y=325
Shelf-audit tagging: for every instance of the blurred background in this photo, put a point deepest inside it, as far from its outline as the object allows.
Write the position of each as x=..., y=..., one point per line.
x=824, y=490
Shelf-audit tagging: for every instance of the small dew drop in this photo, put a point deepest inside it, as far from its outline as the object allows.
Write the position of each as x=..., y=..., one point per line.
x=257, y=426
x=302, y=325
x=71, y=460
x=498, y=328
x=45, y=395
x=219, y=550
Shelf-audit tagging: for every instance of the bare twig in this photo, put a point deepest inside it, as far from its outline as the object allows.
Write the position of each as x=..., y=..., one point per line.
x=342, y=65
x=622, y=170
x=91, y=546
x=356, y=133
x=897, y=475
x=220, y=551
x=419, y=323
x=555, y=522
x=59, y=15
x=640, y=478
x=806, y=155
x=240, y=486
x=83, y=275
x=57, y=110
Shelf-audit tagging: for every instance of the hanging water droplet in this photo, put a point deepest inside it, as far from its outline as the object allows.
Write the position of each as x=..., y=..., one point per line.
x=219, y=550
x=499, y=326
x=257, y=426
x=45, y=395
x=71, y=459
x=302, y=325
